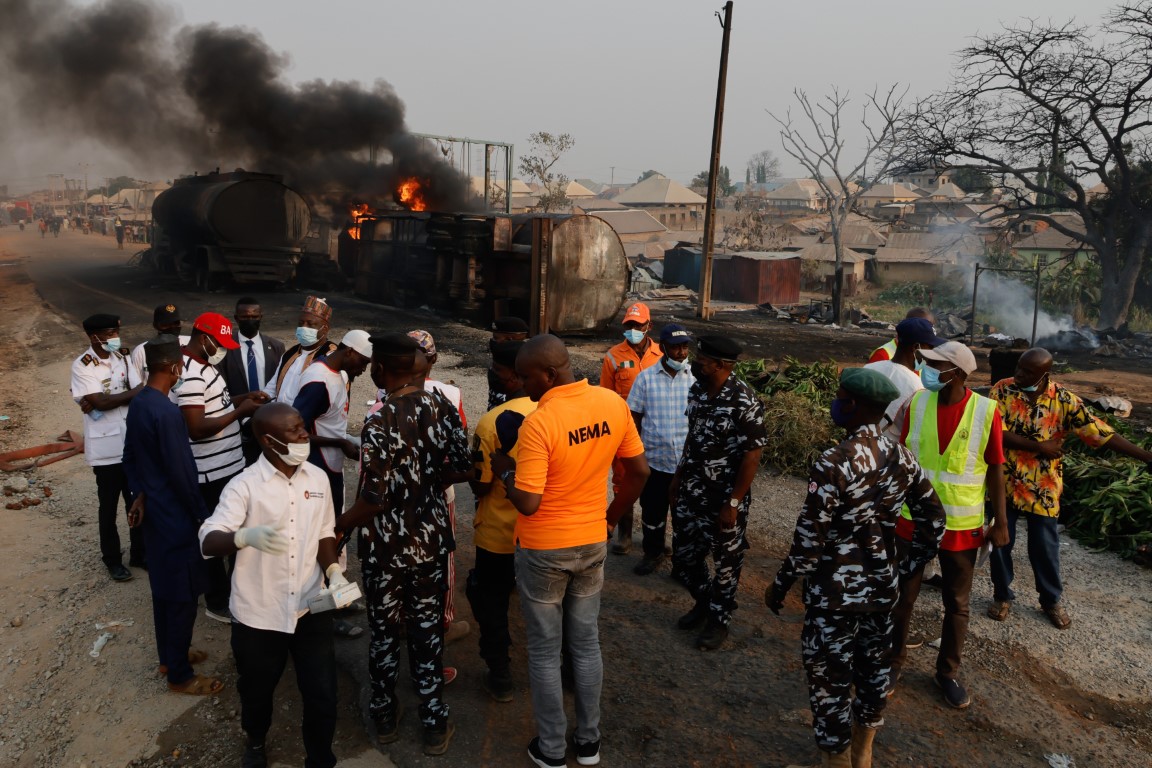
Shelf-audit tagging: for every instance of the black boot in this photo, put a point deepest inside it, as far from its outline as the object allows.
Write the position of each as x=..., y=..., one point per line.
x=695, y=618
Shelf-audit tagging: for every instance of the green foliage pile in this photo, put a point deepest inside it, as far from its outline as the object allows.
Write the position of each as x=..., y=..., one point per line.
x=796, y=399
x=1107, y=498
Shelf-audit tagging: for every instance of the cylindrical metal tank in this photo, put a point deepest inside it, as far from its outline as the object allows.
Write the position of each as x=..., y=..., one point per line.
x=587, y=270
x=237, y=211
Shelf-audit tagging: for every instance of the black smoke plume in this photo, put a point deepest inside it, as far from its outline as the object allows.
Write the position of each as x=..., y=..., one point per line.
x=123, y=73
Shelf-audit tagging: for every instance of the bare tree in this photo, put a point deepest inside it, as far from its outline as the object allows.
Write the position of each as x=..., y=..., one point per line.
x=818, y=144
x=544, y=150
x=762, y=166
x=1056, y=109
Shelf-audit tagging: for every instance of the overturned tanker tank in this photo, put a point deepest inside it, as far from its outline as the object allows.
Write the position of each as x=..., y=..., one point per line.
x=562, y=273
x=240, y=226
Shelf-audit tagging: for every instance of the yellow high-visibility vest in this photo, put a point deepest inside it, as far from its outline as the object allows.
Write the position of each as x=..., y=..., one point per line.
x=890, y=348
x=958, y=474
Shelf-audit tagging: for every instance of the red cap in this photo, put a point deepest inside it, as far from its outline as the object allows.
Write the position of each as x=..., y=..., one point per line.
x=218, y=327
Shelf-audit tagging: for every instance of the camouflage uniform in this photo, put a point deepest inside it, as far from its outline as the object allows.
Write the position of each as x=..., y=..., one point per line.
x=845, y=550
x=405, y=446
x=720, y=431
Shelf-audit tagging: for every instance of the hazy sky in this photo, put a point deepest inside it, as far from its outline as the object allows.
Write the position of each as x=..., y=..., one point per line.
x=632, y=80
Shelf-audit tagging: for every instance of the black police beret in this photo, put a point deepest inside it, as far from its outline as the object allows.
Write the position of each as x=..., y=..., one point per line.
x=510, y=325
x=504, y=353
x=718, y=348
x=101, y=322
x=165, y=313
x=393, y=345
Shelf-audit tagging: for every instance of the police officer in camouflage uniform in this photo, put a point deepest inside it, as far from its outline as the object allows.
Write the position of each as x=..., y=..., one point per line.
x=411, y=448
x=845, y=550
x=710, y=489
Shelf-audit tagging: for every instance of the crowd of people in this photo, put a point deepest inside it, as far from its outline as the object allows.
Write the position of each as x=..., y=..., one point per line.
x=228, y=450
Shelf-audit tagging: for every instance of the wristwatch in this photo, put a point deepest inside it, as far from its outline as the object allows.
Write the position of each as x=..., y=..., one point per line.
x=734, y=503
x=508, y=477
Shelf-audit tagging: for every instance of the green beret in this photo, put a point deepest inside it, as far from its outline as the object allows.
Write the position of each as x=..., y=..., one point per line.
x=868, y=385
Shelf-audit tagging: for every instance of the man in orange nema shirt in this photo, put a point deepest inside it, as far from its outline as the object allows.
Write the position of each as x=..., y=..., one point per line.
x=621, y=365
x=557, y=484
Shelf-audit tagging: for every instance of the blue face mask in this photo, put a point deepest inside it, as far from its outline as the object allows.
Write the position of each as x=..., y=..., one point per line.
x=634, y=336
x=1034, y=387
x=839, y=417
x=307, y=336
x=676, y=365
x=919, y=367
x=930, y=378
x=111, y=345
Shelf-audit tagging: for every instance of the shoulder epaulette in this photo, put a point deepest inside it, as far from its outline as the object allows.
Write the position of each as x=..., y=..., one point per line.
x=88, y=359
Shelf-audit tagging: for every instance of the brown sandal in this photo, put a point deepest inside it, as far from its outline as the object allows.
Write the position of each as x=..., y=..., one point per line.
x=1058, y=616
x=198, y=685
x=999, y=610
x=195, y=656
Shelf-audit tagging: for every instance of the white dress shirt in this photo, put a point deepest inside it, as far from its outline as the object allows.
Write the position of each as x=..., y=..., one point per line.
x=103, y=433
x=272, y=591
x=140, y=364
x=258, y=353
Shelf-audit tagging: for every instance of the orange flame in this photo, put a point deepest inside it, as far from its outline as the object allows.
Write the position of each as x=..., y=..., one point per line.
x=358, y=214
x=411, y=195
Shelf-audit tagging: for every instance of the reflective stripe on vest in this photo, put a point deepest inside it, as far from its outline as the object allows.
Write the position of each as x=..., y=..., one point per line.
x=890, y=348
x=958, y=474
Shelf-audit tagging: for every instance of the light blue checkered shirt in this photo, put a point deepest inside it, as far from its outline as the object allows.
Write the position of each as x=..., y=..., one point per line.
x=663, y=400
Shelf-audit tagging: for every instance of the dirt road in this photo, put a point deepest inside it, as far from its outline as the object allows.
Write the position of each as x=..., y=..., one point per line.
x=1085, y=693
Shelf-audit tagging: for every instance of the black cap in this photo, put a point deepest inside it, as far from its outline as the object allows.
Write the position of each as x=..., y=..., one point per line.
x=509, y=325
x=917, y=330
x=165, y=348
x=95, y=323
x=504, y=353
x=393, y=345
x=718, y=348
x=165, y=314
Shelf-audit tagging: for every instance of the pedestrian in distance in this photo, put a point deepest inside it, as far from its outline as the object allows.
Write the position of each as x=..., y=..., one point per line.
x=844, y=548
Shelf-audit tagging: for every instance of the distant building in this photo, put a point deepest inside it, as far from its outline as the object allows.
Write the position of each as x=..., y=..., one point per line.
x=670, y=202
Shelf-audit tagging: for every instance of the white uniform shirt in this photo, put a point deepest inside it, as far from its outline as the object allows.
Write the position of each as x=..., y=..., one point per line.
x=140, y=364
x=272, y=591
x=334, y=421
x=221, y=454
x=290, y=387
x=907, y=382
x=92, y=375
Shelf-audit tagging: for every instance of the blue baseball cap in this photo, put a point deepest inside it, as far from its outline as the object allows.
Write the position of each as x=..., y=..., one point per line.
x=674, y=333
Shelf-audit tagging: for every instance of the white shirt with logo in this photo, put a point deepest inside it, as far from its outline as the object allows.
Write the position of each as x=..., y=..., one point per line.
x=334, y=421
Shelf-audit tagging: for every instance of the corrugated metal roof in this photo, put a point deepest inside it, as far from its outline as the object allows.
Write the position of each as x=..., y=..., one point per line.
x=914, y=256
x=827, y=252
x=629, y=222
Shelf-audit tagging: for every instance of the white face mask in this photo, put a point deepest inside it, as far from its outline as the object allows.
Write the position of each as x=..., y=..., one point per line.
x=218, y=356
x=297, y=452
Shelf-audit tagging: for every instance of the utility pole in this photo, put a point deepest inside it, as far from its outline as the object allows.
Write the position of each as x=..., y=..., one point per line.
x=612, y=183
x=704, y=310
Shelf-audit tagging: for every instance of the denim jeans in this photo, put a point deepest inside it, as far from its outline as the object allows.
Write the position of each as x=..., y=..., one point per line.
x=560, y=602
x=1043, y=554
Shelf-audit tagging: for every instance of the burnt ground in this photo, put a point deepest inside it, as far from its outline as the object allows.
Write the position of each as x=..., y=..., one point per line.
x=1084, y=693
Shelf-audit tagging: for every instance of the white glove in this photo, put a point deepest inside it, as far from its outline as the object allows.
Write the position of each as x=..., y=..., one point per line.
x=335, y=576
x=263, y=537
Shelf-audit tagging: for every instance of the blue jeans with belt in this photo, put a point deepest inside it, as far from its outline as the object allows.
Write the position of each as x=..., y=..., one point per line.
x=560, y=602
x=1043, y=554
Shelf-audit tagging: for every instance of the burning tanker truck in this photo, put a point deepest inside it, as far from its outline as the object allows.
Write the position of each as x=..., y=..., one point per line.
x=564, y=273
x=238, y=227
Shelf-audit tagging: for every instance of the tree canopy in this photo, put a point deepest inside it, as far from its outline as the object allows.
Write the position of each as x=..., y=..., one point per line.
x=544, y=150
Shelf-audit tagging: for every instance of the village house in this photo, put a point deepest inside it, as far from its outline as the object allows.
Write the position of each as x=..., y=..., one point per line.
x=670, y=202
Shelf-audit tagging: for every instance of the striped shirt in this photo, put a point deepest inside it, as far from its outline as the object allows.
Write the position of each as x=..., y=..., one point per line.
x=202, y=386
x=663, y=400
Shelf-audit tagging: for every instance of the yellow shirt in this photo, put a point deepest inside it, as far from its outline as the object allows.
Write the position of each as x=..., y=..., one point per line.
x=495, y=522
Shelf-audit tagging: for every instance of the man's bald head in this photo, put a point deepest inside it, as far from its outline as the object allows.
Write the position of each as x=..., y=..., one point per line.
x=1038, y=357
x=542, y=364
x=1032, y=370
x=273, y=418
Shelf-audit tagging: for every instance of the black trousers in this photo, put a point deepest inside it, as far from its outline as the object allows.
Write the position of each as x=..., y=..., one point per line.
x=174, y=621
x=218, y=569
x=261, y=655
x=489, y=589
x=111, y=487
x=654, y=512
